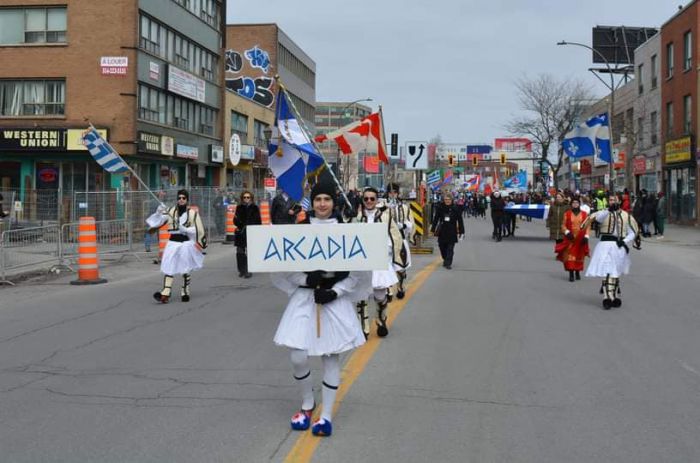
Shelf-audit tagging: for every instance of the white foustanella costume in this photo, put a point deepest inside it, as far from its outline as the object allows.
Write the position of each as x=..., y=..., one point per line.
x=182, y=254
x=609, y=259
x=340, y=329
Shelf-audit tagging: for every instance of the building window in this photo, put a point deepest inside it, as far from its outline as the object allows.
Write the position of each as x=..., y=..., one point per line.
x=239, y=126
x=640, y=132
x=32, y=25
x=687, y=114
x=669, y=60
x=653, y=127
x=259, y=133
x=687, y=50
x=32, y=97
x=167, y=109
x=208, y=11
x=653, y=71
x=640, y=78
x=669, y=119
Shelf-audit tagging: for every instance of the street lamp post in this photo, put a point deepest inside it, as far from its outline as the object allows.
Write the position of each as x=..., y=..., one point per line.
x=611, y=106
x=345, y=166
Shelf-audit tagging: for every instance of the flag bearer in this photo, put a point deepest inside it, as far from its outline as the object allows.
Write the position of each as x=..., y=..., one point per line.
x=611, y=260
x=382, y=280
x=184, y=251
x=339, y=330
x=401, y=215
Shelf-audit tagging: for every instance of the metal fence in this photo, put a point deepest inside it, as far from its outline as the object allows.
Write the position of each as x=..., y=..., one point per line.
x=113, y=236
x=35, y=208
x=29, y=249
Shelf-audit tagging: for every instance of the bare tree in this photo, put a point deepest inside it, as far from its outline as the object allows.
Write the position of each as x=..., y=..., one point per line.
x=553, y=108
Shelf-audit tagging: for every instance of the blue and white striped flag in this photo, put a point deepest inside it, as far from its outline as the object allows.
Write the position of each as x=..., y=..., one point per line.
x=305, y=204
x=536, y=211
x=103, y=153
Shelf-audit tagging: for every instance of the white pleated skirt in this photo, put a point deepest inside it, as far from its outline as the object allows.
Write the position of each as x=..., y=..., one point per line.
x=608, y=259
x=180, y=258
x=340, y=328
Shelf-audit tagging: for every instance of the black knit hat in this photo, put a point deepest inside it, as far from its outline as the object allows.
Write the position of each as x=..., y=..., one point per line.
x=323, y=188
x=393, y=187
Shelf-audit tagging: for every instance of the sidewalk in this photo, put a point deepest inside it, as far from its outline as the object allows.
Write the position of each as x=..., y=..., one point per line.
x=677, y=235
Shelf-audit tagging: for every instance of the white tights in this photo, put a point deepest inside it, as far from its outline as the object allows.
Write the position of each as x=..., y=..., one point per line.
x=331, y=380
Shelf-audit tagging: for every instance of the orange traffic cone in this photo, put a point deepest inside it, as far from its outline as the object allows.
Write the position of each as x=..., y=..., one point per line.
x=230, y=227
x=88, y=264
x=265, y=212
x=163, y=238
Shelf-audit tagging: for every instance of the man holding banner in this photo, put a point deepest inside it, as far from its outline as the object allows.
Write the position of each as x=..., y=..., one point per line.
x=328, y=298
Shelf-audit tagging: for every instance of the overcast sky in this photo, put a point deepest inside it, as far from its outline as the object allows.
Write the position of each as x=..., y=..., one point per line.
x=444, y=67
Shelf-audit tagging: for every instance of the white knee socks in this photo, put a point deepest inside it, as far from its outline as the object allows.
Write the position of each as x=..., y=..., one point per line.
x=302, y=375
x=331, y=381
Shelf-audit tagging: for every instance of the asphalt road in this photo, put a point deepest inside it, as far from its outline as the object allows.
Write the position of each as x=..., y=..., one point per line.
x=500, y=359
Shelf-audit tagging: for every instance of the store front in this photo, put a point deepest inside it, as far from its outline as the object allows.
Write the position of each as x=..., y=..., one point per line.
x=645, y=176
x=681, y=180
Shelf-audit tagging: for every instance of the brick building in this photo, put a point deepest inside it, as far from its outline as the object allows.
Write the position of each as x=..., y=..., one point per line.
x=679, y=127
x=149, y=73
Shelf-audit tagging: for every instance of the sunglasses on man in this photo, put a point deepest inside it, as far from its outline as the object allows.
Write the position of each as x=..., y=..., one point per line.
x=181, y=197
x=369, y=199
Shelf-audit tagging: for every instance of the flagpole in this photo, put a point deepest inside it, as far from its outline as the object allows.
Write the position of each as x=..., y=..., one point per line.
x=129, y=167
x=306, y=131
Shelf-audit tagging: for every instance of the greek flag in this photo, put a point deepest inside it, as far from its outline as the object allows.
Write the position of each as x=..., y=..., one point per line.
x=103, y=152
x=305, y=204
x=590, y=138
x=292, y=157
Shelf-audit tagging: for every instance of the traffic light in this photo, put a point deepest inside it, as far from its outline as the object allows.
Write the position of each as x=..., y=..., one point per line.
x=503, y=159
x=394, y=145
x=451, y=159
x=475, y=161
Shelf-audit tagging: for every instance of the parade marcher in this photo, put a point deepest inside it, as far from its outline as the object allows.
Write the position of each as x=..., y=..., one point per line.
x=339, y=328
x=401, y=215
x=448, y=227
x=247, y=213
x=618, y=230
x=183, y=253
x=498, y=206
x=556, y=217
x=660, y=222
x=574, y=249
x=382, y=280
x=284, y=209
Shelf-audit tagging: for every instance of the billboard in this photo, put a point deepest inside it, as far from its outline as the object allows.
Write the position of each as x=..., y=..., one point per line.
x=616, y=44
x=513, y=144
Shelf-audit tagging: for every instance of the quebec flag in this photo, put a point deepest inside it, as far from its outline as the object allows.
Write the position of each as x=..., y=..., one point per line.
x=590, y=138
x=292, y=156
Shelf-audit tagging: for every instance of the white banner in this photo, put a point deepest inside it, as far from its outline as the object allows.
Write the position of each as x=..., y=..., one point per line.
x=333, y=247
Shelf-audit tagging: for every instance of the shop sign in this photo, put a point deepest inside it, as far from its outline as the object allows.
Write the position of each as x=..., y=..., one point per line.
x=114, y=65
x=639, y=165
x=48, y=175
x=651, y=165
x=149, y=143
x=167, y=146
x=248, y=152
x=153, y=71
x=32, y=139
x=270, y=182
x=186, y=152
x=216, y=153
x=678, y=150
x=185, y=84
x=619, y=159
x=74, y=139
x=586, y=167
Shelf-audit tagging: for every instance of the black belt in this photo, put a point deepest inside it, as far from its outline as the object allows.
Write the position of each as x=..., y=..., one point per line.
x=620, y=242
x=179, y=238
x=608, y=238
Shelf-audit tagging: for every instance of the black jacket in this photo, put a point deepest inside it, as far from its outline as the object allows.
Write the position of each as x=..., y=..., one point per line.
x=448, y=223
x=498, y=206
x=245, y=215
x=279, y=212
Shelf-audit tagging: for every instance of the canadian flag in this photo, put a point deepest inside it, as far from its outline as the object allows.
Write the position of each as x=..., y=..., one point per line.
x=365, y=134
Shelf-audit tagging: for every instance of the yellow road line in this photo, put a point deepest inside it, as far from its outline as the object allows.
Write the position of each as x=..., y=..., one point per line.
x=306, y=444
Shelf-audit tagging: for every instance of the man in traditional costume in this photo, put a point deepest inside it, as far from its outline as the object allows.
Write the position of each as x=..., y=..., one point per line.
x=401, y=215
x=382, y=280
x=574, y=248
x=338, y=330
x=184, y=252
x=611, y=260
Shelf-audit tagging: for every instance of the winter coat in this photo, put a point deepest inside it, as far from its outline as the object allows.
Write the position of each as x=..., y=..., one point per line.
x=447, y=223
x=497, y=206
x=279, y=212
x=661, y=208
x=648, y=210
x=245, y=215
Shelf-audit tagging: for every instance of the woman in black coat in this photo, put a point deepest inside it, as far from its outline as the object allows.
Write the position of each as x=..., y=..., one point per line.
x=498, y=214
x=247, y=213
x=448, y=226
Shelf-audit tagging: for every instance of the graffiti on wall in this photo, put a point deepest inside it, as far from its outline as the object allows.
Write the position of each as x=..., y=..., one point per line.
x=258, y=58
x=253, y=87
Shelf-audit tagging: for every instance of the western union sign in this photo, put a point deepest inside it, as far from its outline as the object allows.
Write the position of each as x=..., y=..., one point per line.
x=32, y=139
